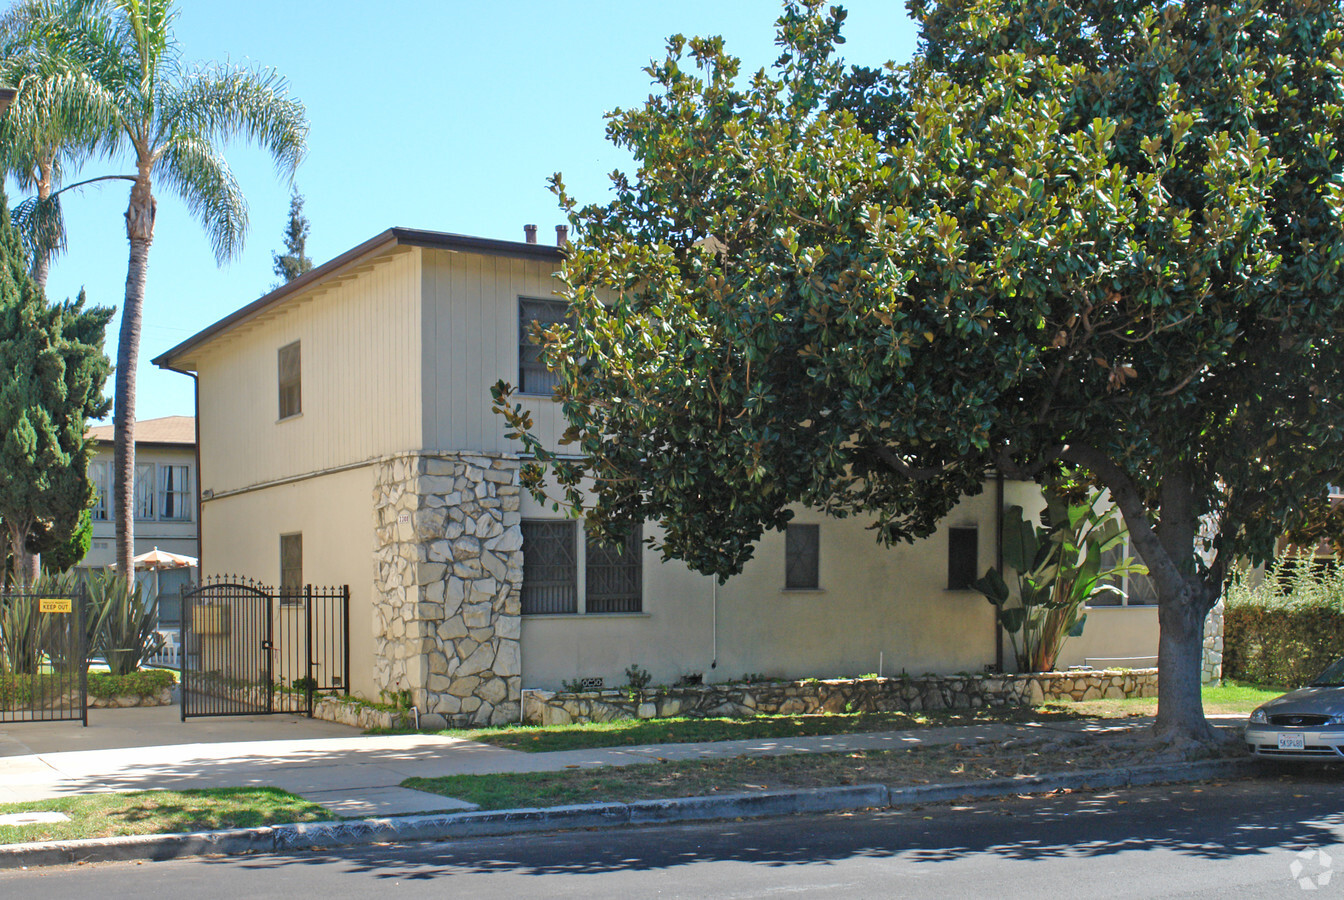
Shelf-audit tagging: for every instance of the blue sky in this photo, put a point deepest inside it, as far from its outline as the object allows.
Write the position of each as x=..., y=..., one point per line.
x=445, y=115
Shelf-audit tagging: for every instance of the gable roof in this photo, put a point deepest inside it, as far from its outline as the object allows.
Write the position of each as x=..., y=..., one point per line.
x=168, y=430
x=392, y=237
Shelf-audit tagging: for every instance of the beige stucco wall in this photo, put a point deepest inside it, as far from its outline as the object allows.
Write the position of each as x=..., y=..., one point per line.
x=360, y=361
x=470, y=323
x=334, y=513
x=873, y=600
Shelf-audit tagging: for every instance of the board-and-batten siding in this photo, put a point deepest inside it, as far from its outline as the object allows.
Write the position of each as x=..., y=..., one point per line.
x=360, y=357
x=471, y=341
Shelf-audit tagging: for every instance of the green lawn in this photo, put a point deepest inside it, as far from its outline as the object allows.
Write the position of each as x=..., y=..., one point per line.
x=945, y=764
x=161, y=812
x=1229, y=699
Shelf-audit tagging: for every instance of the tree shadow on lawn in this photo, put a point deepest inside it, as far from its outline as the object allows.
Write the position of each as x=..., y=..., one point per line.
x=1272, y=813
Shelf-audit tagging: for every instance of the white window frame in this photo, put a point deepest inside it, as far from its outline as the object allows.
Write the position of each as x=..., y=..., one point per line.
x=182, y=494
x=145, y=486
x=100, y=474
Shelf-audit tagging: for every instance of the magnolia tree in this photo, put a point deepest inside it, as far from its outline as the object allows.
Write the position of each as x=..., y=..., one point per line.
x=1091, y=240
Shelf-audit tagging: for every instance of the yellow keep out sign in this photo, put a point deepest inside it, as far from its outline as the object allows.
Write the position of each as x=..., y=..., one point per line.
x=53, y=604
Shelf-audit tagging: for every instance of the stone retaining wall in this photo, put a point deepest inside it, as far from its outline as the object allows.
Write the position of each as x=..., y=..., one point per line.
x=839, y=695
x=450, y=566
x=125, y=701
x=1213, y=646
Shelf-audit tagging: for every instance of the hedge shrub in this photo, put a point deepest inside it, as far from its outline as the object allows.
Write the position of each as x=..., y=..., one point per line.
x=133, y=684
x=1285, y=629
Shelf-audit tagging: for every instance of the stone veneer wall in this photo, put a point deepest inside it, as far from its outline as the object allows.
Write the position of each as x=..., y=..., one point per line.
x=1213, y=646
x=446, y=605
x=839, y=695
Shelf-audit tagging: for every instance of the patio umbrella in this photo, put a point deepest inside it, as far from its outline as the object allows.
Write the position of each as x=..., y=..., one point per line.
x=157, y=560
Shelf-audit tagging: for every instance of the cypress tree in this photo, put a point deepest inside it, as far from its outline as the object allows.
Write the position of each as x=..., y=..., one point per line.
x=52, y=370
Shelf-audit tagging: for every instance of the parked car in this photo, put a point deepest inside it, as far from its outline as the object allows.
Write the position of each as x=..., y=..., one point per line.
x=1305, y=724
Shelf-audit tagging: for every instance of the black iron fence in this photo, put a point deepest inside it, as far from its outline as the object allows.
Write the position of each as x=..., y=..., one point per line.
x=43, y=657
x=249, y=649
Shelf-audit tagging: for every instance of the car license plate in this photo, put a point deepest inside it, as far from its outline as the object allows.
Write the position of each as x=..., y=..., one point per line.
x=1292, y=742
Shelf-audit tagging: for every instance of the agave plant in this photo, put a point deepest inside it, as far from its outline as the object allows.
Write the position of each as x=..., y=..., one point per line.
x=1059, y=566
x=23, y=632
x=128, y=622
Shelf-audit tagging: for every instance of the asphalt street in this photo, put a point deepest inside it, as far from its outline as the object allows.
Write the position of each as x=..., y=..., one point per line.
x=1264, y=838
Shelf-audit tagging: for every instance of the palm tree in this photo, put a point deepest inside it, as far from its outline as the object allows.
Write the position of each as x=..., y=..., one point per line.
x=173, y=120
x=61, y=116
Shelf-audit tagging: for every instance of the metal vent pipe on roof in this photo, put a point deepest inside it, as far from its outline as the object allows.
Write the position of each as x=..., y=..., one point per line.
x=531, y=232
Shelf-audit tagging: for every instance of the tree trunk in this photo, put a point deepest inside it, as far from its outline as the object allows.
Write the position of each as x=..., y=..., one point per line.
x=1180, y=651
x=42, y=255
x=25, y=563
x=140, y=234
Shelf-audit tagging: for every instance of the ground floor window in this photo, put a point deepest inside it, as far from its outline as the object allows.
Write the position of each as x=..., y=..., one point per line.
x=802, y=557
x=615, y=576
x=558, y=569
x=550, y=568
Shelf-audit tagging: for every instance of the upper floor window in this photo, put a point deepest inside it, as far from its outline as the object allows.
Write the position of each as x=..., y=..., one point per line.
x=291, y=394
x=802, y=557
x=174, y=492
x=100, y=472
x=1128, y=590
x=144, y=490
x=533, y=376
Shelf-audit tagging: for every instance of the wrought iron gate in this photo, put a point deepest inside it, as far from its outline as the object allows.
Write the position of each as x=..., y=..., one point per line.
x=43, y=658
x=251, y=650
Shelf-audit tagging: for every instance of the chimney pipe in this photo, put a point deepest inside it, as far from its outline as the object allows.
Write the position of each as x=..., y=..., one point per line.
x=561, y=235
x=531, y=232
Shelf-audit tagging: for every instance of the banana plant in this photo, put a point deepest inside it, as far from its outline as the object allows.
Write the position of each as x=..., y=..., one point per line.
x=1059, y=565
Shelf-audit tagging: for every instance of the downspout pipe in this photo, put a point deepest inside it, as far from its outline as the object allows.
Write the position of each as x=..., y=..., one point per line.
x=998, y=566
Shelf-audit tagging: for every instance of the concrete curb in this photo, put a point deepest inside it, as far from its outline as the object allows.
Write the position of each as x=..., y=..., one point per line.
x=449, y=826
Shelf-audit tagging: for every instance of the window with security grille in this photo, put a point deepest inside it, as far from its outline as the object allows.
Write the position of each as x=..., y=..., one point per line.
x=290, y=380
x=550, y=568
x=533, y=376
x=144, y=490
x=614, y=576
x=175, y=492
x=802, y=553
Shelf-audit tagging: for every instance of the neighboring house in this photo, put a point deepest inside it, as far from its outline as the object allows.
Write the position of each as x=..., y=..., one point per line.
x=347, y=438
x=165, y=502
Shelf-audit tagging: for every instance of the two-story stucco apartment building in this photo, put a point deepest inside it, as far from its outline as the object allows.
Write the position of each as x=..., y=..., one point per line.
x=347, y=438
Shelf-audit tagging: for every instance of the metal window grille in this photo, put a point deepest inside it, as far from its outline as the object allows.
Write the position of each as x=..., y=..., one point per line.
x=802, y=552
x=533, y=376
x=144, y=490
x=963, y=552
x=174, y=492
x=290, y=378
x=615, y=576
x=550, y=568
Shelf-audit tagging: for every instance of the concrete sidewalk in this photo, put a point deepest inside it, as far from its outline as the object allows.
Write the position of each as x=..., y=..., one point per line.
x=349, y=773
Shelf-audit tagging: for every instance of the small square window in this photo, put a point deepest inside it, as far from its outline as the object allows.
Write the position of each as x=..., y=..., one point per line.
x=963, y=557
x=802, y=553
x=291, y=382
